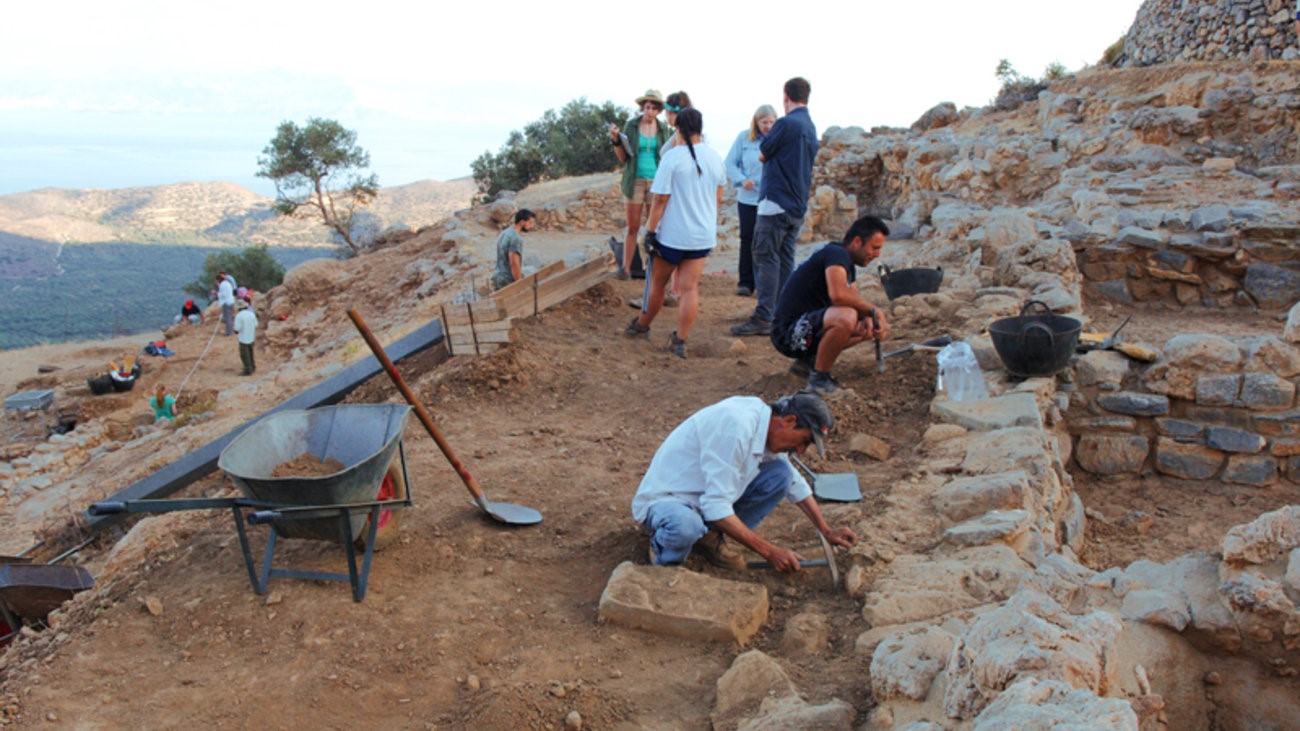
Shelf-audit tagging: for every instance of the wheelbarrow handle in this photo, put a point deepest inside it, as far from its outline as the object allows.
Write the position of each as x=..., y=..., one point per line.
x=107, y=508
x=263, y=517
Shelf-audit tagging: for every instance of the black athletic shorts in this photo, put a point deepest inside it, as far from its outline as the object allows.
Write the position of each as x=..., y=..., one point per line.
x=799, y=338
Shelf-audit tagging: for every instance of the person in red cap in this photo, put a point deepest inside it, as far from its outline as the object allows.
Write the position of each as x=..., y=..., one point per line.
x=190, y=313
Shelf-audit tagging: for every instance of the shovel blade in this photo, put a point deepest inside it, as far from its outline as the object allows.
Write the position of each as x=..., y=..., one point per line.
x=510, y=514
x=839, y=488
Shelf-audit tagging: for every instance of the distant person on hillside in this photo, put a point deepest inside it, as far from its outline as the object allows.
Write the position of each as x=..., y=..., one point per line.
x=163, y=405
x=746, y=174
x=226, y=298
x=231, y=277
x=246, y=327
x=644, y=134
x=510, y=249
x=683, y=227
x=190, y=313
x=787, y=153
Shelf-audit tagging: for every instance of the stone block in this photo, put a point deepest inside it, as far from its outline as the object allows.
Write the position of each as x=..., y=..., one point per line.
x=967, y=497
x=1186, y=461
x=1268, y=354
x=1160, y=608
x=1016, y=409
x=1272, y=286
x=1250, y=470
x=1034, y=703
x=1111, y=454
x=1285, y=448
x=1292, y=578
x=1292, y=330
x=905, y=663
x=753, y=677
x=1180, y=429
x=1134, y=236
x=1093, y=424
x=1228, y=439
x=872, y=446
x=1101, y=368
x=1279, y=424
x=997, y=525
x=1188, y=357
x=1223, y=416
x=684, y=604
x=1115, y=289
x=921, y=587
x=1213, y=217
x=1219, y=390
x=1266, y=392
x=1265, y=539
x=1134, y=403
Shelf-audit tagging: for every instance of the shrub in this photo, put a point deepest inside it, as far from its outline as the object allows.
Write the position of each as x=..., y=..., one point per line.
x=253, y=267
x=573, y=141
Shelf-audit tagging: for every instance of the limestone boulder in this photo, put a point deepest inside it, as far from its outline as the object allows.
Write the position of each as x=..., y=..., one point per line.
x=752, y=677
x=905, y=663
x=682, y=603
x=1111, y=454
x=967, y=497
x=1291, y=333
x=1030, y=635
x=1271, y=355
x=1186, y=358
x=1105, y=369
x=792, y=713
x=806, y=633
x=1265, y=539
x=1033, y=704
x=917, y=587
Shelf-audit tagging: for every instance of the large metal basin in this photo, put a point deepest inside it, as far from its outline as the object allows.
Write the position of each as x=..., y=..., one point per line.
x=363, y=437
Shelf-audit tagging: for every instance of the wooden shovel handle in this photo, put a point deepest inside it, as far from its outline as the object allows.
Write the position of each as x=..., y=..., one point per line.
x=420, y=412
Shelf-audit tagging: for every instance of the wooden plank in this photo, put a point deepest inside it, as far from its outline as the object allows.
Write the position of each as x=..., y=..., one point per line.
x=460, y=319
x=202, y=461
x=526, y=284
x=484, y=349
x=481, y=327
x=462, y=341
x=562, y=285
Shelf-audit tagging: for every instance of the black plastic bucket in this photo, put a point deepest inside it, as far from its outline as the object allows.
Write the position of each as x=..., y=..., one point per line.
x=904, y=282
x=1035, y=345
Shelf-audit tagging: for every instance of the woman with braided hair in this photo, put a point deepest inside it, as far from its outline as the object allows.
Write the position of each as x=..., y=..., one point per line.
x=683, y=227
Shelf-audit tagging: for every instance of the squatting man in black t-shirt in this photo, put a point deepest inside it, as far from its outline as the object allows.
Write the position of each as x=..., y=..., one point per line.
x=820, y=313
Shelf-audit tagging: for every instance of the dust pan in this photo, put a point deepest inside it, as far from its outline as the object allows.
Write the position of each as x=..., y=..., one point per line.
x=841, y=487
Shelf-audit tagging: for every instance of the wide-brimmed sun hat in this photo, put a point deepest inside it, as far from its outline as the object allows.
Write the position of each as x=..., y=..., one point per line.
x=650, y=95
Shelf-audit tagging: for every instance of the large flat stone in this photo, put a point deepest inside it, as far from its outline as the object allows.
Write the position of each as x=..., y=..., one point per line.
x=1250, y=470
x=967, y=497
x=674, y=601
x=1016, y=409
x=1188, y=461
x=1279, y=424
x=921, y=587
x=1218, y=390
x=997, y=525
x=1266, y=392
x=1135, y=403
x=1111, y=454
x=1227, y=439
x=1103, y=368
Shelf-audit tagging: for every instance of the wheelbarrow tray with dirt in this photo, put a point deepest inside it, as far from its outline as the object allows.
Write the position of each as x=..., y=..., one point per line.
x=32, y=591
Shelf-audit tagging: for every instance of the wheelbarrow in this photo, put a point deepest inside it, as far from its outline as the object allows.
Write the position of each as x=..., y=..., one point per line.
x=31, y=591
x=347, y=506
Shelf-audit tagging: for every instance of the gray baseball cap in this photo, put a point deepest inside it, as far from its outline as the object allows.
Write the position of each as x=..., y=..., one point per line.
x=810, y=412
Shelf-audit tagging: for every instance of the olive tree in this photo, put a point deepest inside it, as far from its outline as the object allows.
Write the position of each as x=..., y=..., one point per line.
x=319, y=169
x=254, y=267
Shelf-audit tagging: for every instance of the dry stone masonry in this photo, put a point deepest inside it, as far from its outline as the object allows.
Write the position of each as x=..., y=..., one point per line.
x=1167, y=31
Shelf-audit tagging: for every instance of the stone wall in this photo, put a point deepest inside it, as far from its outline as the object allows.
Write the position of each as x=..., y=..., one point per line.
x=1166, y=31
x=1211, y=407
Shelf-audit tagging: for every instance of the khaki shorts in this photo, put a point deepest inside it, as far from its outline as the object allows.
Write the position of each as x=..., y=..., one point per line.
x=640, y=192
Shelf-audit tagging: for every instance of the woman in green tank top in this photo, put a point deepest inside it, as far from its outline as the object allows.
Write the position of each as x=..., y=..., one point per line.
x=637, y=147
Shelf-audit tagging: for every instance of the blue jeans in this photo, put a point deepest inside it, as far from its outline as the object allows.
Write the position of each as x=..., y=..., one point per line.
x=774, y=239
x=228, y=317
x=675, y=526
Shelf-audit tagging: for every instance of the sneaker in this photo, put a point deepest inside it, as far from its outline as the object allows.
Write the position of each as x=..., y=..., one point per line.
x=671, y=300
x=821, y=382
x=635, y=329
x=743, y=291
x=718, y=551
x=634, y=303
x=677, y=346
x=752, y=326
x=801, y=367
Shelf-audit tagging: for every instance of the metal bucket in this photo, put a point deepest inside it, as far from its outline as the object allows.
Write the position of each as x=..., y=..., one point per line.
x=904, y=282
x=363, y=437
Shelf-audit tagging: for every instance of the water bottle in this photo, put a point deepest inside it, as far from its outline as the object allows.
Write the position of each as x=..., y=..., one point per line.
x=960, y=373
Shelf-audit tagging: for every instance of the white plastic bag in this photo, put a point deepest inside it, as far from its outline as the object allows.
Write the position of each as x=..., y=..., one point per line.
x=961, y=374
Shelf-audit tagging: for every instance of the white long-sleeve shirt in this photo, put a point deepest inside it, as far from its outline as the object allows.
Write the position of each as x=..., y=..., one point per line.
x=225, y=294
x=709, y=460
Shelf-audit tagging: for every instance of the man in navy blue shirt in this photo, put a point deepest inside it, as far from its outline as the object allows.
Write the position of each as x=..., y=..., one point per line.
x=821, y=312
x=787, y=154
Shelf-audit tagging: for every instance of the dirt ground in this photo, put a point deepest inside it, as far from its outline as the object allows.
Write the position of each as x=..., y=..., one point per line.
x=466, y=623
x=470, y=624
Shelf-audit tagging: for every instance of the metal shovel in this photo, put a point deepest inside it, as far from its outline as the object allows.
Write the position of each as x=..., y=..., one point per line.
x=501, y=512
x=839, y=488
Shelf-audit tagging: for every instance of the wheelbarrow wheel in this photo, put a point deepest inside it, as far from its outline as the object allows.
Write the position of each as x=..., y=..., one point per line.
x=392, y=488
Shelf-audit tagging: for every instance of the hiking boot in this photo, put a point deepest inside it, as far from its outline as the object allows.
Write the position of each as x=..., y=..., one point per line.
x=752, y=326
x=822, y=383
x=677, y=346
x=635, y=329
x=743, y=291
x=622, y=275
x=801, y=367
x=718, y=551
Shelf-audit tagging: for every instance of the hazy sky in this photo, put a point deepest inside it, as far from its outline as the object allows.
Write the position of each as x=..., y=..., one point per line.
x=140, y=92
